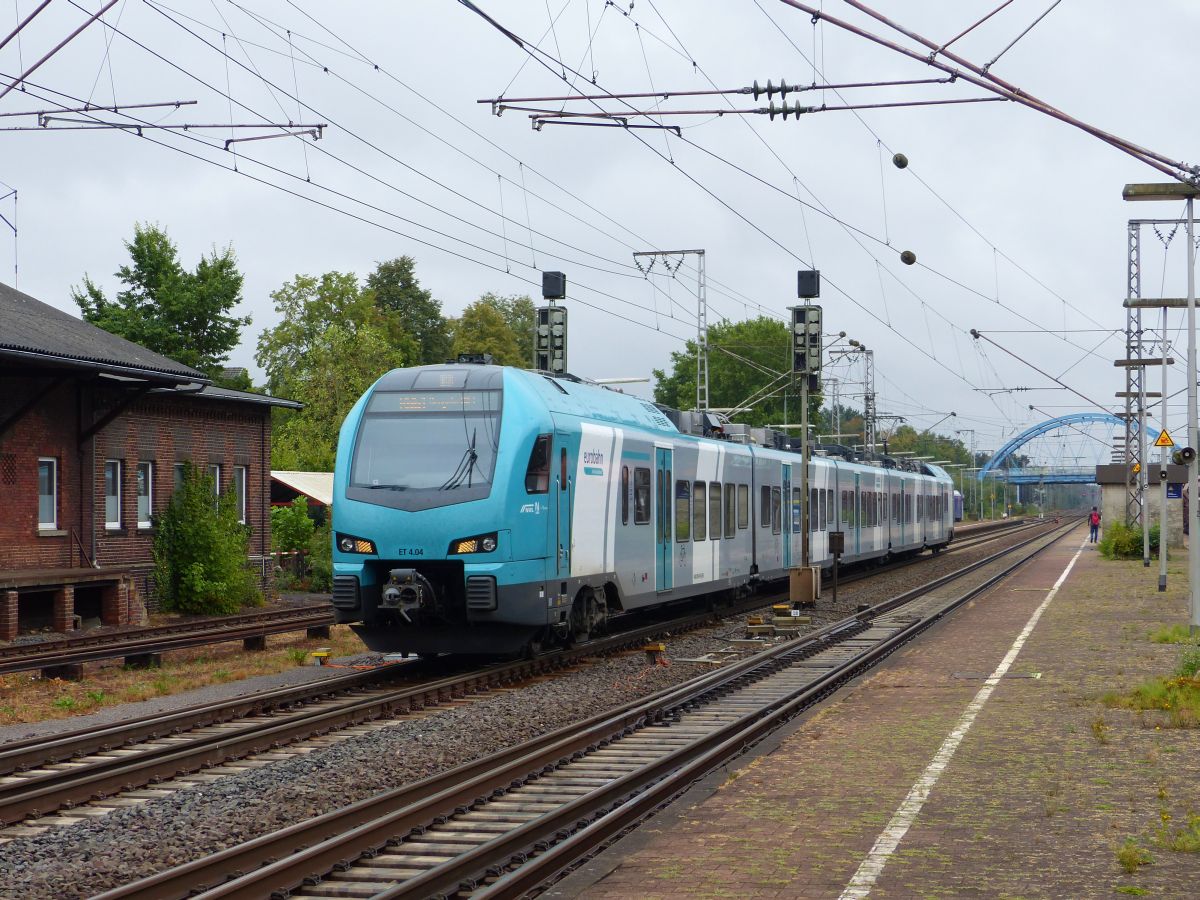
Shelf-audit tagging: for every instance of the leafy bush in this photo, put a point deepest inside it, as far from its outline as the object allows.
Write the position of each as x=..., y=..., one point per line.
x=291, y=526
x=201, y=551
x=1122, y=541
x=320, y=559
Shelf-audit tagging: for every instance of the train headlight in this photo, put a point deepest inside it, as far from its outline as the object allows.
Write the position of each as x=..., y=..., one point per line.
x=350, y=544
x=480, y=543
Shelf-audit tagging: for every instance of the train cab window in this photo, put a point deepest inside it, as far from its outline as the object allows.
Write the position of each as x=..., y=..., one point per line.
x=699, y=511
x=624, y=495
x=683, y=511
x=537, y=473
x=562, y=466
x=714, y=510
x=764, y=506
x=743, y=506
x=641, y=496
x=776, y=510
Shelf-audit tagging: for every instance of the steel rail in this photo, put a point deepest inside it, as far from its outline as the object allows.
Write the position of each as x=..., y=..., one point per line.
x=52, y=789
x=159, y=639
x=24, y=754
x=280, y=860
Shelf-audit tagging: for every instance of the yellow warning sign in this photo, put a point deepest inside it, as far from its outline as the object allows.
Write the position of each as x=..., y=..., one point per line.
x=1164, y=440
x=1137, y=467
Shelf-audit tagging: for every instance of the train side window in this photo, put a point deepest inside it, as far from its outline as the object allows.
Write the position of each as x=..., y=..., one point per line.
x=730, y=509
x=714, y=510
x=827, y=512
x=562, y=466
x=764, y=505
x=776, y=510
x=641, y=496
x=624, y=495
x=537, y=473
x=820, y=509
x=814, y=510
x=797, y=510
x=683, y=511
x=699, y=511
x=743, y=506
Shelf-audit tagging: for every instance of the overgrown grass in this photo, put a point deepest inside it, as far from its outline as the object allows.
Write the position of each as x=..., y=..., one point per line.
x=1131, y=856
x=1181, y=839
x=29, y=698
x=1173, y=634
x=1177, y=696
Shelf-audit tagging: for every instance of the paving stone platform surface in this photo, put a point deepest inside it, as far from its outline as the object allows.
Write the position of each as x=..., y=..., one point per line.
x=1044, y=788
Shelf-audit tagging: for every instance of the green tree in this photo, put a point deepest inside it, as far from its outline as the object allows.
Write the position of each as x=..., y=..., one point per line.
x=745, y=360
x=332, y=342
x=520, y=315
x=201, y=551
x=482, y=329
x=180, y=314
x=416, y=312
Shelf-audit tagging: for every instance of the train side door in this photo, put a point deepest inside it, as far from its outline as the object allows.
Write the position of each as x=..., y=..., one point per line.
x=789, y=516
x=856, y=513
x=663, y=508
x=562, y=508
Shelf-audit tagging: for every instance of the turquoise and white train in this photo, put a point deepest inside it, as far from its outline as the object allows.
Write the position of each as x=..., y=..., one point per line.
x=486, y=509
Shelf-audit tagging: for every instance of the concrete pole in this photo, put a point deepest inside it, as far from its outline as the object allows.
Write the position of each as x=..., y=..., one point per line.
x=1194, y=511
x=1163, y=460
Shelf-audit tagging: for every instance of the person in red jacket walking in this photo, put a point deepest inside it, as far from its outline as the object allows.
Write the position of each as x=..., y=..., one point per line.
x=1094, y=524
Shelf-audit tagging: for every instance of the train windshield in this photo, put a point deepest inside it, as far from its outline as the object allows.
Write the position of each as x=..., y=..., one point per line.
x=426, y=448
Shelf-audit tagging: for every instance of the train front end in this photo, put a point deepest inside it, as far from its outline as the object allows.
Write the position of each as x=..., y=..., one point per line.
x=436, y=548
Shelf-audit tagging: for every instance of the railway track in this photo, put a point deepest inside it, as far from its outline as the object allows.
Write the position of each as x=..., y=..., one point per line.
x=84, y=648
x=80, y=649
x=50, y=783
x=507, y=824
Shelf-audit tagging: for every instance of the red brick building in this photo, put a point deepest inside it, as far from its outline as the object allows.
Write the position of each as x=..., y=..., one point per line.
x=94, y=431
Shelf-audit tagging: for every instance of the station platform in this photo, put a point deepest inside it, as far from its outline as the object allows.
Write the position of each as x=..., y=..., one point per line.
x=917, y=780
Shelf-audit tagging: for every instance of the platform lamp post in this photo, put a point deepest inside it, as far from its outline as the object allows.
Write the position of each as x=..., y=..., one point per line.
x=1174, y=191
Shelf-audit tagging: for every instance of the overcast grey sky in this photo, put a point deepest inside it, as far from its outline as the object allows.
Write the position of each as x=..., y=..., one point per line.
x=1017, y=220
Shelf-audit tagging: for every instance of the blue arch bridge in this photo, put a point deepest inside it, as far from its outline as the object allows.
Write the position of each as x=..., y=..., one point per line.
x=1001, y=467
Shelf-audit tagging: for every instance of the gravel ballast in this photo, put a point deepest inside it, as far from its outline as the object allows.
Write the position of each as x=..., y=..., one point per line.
x=84, y=859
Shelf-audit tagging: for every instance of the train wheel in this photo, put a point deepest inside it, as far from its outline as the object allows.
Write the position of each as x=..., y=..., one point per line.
x=588, y=616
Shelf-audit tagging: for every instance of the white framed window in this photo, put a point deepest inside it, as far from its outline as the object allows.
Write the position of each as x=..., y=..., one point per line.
x=145, y=493
x=112, y=494
x=214, y=472
x=240, y=480
x=47, y=493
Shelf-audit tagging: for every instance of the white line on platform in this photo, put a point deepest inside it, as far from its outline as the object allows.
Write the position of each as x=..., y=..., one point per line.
x=889, y=839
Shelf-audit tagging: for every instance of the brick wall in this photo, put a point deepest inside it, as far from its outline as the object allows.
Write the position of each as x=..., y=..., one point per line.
x=48, y=430
x=158, y=429
x=165, y=431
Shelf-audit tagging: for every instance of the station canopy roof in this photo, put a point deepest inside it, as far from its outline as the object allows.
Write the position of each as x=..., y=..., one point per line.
x=316, y=485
